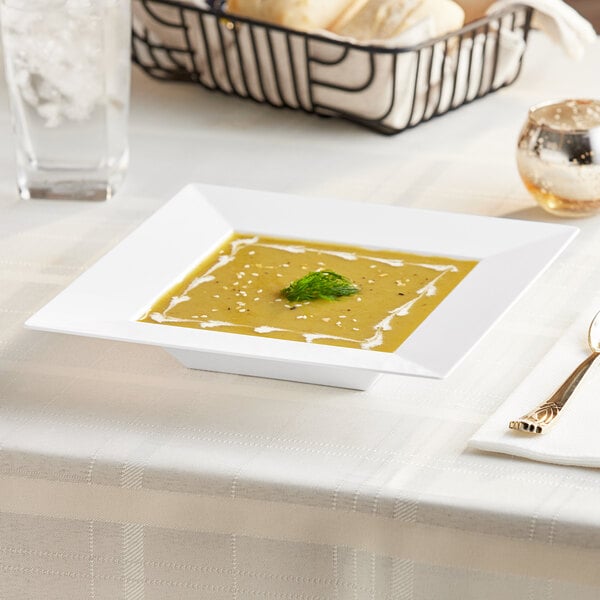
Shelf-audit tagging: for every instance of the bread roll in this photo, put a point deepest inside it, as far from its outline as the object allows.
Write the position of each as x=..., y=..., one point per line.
x=385, y=19
x=474, y=9
x=305, y=15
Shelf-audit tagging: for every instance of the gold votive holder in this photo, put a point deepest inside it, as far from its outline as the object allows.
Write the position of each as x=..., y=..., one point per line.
x=558, y=156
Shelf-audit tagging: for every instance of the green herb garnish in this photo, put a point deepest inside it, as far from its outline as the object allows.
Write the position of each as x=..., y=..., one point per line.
x=326, y=285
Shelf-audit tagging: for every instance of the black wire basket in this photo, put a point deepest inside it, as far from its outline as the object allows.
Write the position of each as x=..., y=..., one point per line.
x=388, y=89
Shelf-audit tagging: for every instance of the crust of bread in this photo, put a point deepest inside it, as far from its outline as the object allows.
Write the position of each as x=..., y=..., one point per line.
x=447, y=15
x=305, y=15
x=474, y=9
x=385, y=19
x=374, y=19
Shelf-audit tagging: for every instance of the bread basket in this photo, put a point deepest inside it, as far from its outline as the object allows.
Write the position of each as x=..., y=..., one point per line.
x=388, y=89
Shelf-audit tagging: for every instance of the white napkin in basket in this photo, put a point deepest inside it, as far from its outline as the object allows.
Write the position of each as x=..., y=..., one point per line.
x=575, y=438
x=562, y=23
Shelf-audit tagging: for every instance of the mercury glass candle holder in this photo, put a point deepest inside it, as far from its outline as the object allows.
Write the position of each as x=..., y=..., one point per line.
x=558, y=156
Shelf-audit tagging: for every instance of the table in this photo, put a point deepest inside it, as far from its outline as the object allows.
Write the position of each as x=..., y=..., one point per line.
x=125, y=476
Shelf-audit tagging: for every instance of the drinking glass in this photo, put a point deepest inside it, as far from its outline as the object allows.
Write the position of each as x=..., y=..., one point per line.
x=67, y=66
x=558, y=156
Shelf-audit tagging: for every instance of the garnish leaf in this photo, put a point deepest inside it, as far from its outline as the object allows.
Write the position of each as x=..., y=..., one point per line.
x=325, y=285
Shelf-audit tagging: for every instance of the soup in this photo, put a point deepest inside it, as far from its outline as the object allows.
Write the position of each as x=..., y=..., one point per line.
x=239, y=289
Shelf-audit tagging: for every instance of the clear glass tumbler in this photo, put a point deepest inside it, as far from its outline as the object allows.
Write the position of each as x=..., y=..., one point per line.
x=67, y=65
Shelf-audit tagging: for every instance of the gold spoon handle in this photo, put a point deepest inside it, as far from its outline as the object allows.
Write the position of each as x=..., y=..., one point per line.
x=543, y=416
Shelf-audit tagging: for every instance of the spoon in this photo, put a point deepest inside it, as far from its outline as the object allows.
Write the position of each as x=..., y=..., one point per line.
x=542, y=417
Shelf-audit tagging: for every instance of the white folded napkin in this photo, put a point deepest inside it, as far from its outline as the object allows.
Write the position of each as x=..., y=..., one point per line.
x=575, y=437
x=562, y=23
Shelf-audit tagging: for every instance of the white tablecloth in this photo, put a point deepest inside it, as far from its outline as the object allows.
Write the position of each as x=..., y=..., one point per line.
x=126, y=476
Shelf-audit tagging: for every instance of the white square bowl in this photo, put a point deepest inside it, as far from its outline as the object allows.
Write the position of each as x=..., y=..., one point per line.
x=107, y=299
